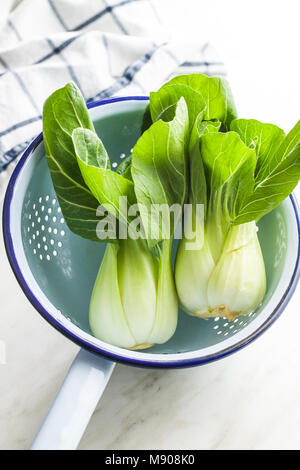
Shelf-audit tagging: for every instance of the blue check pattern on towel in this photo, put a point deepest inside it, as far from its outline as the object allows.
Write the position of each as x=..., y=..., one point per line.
x=107, y=47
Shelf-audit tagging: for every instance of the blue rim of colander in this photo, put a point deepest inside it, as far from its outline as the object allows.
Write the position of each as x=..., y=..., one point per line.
x=96, y=349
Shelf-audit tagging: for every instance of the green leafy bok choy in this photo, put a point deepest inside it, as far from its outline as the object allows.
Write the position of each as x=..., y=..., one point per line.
x=134, y=302
x=64, y=111
x=247, y=171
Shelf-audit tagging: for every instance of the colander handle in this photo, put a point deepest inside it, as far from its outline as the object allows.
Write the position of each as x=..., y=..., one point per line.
x=75, y=403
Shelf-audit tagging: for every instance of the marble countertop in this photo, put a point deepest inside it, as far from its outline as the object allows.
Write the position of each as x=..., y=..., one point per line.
x=246, y=401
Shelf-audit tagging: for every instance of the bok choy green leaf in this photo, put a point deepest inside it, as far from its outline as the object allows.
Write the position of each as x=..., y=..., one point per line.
x=276, y=179
x=159, y=173
x=107, y=186
x=211, y=95
x=64, y=111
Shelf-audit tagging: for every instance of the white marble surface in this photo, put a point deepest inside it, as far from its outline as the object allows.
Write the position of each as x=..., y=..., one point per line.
x=247, y=401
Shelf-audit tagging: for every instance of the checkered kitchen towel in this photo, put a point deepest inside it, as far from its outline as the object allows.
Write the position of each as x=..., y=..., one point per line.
x=107, y=47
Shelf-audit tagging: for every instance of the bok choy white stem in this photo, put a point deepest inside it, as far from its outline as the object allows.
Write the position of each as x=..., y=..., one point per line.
x=237, y=284
x=134, y=301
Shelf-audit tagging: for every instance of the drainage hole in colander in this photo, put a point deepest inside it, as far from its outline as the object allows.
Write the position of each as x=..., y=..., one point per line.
x=230, y=327
x=44, y=228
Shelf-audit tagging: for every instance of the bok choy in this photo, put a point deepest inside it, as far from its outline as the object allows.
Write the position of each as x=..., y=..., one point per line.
x=239, y=170
x=134, y=302
x=247, y=172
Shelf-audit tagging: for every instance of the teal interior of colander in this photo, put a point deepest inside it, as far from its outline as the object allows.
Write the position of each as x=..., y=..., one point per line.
x=65, y=265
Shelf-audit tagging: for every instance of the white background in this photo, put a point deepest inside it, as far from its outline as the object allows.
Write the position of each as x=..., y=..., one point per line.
x=249, y=400
x=259, y=42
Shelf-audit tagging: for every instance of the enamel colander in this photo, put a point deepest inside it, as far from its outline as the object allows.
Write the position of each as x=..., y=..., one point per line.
x=57, y=269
